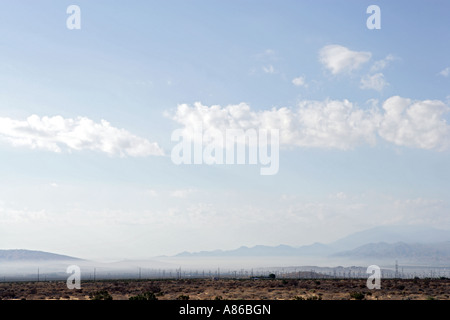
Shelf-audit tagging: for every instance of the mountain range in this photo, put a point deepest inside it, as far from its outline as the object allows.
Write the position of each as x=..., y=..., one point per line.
x=411, y=244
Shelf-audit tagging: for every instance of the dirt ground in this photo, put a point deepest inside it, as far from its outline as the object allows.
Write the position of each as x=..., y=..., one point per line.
x=232, y=289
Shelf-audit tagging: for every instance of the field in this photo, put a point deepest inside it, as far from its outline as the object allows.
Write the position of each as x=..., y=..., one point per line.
x=231, y=289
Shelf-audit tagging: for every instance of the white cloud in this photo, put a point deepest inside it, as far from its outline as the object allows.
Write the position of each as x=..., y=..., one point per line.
x=339, y=59
x=375, y=81
x=22, y=216
x=332, y=123
x=266, y=58
x=268, y=69
x=445, y=72
x=381, y=64
x=418, y=124
x=299, y=82
x=56, y=133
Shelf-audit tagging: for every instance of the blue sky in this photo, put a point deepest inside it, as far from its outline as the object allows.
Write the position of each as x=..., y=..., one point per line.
x=72, y=184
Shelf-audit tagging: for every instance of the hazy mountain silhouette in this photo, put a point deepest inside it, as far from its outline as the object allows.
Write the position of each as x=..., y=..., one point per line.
x=31, y=255
x=392, y=234
x=423, y=253
x=260, y=250
x=390, y=242
x=383, y=234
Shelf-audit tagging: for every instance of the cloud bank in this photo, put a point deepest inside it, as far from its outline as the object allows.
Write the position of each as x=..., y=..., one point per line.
x=332, y=123
x=57, y=133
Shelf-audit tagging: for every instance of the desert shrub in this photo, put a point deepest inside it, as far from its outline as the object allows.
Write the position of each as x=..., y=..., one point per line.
x=312, y=297
x=144, y=296
x=153, y=287
x=100, y=295
x=218, y=298
x=183, y=297
x=32, y=291
x=293, y=283
x=272, y=276
x=357, y=295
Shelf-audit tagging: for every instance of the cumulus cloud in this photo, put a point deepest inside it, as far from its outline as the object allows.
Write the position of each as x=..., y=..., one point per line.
x=339, y=59
x=57, y=133
x=299, y=82
x=418, y=124
x=333, y=124
x=336, y=124
x=375, y=82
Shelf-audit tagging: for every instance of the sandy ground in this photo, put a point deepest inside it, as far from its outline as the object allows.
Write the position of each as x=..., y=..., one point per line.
x=229, y=289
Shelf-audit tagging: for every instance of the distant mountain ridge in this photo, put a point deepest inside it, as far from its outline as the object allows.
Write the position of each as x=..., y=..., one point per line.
x=409, y=243
x=427, y=253
x=261, y=250
x=385, y=241
x=392, y=234
x=11, y=255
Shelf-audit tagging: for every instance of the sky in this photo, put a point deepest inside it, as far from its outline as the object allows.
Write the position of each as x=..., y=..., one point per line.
x=87, y=116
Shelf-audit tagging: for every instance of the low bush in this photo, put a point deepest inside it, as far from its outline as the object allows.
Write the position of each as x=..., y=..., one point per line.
x=357, y=295
x=100, y=295
x=144, y=296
